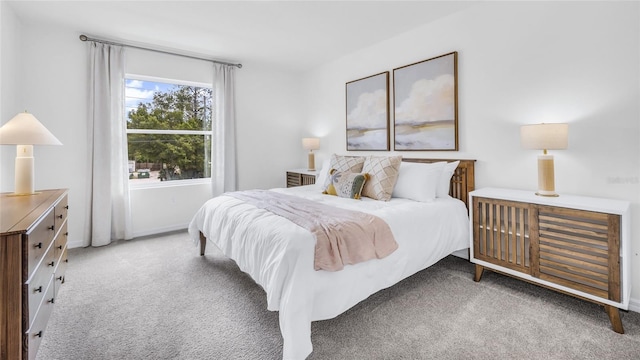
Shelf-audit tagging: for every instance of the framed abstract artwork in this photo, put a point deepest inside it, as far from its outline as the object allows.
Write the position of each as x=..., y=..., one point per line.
x=368, y=113
x=426, y=104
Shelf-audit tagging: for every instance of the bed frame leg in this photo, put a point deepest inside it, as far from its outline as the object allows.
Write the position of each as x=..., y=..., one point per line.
x=614, y=317
x=479, y=271
x=203, y=243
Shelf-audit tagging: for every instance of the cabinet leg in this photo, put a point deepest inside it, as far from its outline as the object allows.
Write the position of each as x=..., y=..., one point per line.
x=479, y=271
x=614, y=317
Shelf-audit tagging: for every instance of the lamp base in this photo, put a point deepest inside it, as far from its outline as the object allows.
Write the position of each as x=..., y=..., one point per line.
x=25, y=179
x=312, y=162
x=546, y=183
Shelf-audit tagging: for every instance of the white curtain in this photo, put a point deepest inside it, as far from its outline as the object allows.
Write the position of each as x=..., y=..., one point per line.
x=109, y=215
x=223, y=147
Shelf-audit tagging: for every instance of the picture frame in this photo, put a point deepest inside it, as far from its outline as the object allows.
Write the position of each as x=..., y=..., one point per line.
x=426, y=104
x=367, y=113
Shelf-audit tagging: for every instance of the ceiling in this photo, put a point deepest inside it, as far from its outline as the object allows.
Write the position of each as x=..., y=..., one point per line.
x=298, y=35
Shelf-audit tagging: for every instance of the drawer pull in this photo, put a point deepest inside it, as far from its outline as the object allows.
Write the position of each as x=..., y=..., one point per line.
x=52, y=227
x=38, y=334
x=59, y=216
x=67, y=207
x=66, y=234
x=51, y=301
x=38, y=245
x=66, y=260
x=38, y=289
x=51, y=263
x=59, y=278
x=60, y=247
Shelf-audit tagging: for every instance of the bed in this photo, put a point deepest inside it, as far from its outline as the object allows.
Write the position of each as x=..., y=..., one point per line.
x=279, y=255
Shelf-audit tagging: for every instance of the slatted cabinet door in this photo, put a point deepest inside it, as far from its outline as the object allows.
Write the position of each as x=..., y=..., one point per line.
x=579, y=249
x=501, y=233
x=300, y=177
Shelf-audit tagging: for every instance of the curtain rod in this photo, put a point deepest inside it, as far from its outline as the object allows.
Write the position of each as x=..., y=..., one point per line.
x=86, y=38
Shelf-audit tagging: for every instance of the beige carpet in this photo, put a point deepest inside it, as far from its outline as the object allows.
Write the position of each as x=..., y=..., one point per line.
x=156, y=298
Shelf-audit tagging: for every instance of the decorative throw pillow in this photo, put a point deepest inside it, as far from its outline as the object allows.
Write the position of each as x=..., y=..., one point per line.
x=445, y=179
x=346, y=184
x=383, y=173
x=418, y=181
x=344, y=163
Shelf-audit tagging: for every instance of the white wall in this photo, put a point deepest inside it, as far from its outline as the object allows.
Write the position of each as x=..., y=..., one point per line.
x=521, y=63
x=54, y=78
x=40, y=74
x=10, y=85
x=53, y=73
x=269, y=122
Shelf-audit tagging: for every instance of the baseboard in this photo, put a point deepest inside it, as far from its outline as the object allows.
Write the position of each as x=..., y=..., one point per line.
x=156, y=231
x=464, y=253
x=161, y=230
x=74, y=244
x=634, y=305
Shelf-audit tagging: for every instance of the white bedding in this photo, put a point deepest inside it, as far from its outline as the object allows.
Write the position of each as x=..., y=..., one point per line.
x=278, y=254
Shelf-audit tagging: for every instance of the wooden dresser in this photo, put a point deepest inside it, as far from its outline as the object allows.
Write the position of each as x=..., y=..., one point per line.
x=573, y=244
x=33, y=260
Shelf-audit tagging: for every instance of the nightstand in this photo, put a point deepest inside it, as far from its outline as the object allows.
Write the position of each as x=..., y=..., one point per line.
x=572, y=244
x=298, y=177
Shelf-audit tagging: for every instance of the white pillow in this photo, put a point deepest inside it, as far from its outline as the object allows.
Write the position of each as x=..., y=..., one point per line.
x=324, y=173
x=418, y=181
x=445, y=179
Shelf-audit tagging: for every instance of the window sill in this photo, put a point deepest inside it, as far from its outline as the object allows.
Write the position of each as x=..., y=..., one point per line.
x=171, y=183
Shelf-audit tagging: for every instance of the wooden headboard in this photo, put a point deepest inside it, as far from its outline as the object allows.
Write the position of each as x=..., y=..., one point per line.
x=462, y=181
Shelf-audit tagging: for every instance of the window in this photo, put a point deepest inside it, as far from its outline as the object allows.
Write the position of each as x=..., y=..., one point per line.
x=168, y=130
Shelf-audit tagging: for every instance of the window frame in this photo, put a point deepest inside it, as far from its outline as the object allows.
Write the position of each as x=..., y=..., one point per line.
x=161, y=184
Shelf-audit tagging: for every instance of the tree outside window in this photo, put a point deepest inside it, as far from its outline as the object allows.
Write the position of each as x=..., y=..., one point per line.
x=169, y=128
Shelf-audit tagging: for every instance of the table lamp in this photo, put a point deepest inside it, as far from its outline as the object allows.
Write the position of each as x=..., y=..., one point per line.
x=311, y=144
x=24, y=131
x=545, y=137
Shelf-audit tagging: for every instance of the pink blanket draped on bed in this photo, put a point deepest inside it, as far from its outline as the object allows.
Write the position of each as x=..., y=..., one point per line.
x=342, y=236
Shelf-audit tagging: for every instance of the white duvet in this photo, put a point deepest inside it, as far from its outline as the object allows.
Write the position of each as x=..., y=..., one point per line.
x=278, y=254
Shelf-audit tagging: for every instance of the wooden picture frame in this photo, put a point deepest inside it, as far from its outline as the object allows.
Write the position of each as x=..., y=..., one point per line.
x=426, y=104
x=367, y=115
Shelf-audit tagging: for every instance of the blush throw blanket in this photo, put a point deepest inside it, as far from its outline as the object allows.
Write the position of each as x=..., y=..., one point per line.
x=342, y=236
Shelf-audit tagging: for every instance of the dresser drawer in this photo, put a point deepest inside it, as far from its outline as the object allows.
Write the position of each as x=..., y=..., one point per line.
x=36, y=331
x=61, y=241
x=39, y=240
x=60, y=212
x=61, y=269
x=37, y=284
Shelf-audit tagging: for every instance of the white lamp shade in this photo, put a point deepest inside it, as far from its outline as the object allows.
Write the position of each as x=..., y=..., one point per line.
x=544, y=136
x=25, y=129
x=311, y=143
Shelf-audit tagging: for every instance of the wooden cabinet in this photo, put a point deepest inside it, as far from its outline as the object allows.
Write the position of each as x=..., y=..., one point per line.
x=300, y=177
x=33, y=259
x=573, y=244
